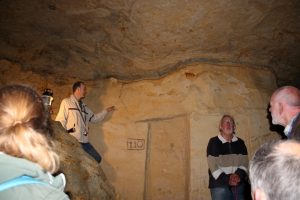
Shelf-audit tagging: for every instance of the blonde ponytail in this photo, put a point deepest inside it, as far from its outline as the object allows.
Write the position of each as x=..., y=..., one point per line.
x=24, y=127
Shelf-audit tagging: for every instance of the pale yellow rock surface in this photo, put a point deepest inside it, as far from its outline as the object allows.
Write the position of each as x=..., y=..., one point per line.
x=85, y=177
x=130, y=40
x=154, y=144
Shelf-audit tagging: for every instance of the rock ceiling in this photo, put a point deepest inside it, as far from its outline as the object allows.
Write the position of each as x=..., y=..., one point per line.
x=136, y=39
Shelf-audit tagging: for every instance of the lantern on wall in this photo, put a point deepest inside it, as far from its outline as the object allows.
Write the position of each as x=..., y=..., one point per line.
x=47, y=97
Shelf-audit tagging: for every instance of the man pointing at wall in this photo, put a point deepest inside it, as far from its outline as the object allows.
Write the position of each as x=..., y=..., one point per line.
x=74, y=116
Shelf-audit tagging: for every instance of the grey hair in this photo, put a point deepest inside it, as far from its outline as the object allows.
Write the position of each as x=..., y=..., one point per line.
x=274, y=169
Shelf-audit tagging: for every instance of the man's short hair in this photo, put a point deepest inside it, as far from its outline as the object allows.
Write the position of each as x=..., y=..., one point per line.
x=77, y=85
x=274, y=169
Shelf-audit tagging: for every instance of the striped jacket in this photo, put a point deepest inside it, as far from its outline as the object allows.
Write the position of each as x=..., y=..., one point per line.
x=225, y=158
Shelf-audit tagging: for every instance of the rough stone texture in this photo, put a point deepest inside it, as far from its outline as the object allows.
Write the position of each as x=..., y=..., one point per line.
x=155, y=142
x=144, y=39
x=85, y=178
x=175, y=67
x=187, y=105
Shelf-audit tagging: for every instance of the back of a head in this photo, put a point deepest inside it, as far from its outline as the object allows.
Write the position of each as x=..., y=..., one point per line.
x=24, y=128
x=274, y=169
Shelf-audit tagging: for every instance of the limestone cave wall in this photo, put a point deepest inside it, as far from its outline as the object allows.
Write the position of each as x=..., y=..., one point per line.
x=154, y=144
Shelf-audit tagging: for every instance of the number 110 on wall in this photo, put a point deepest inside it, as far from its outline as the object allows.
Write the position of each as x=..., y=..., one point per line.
x=135, y=144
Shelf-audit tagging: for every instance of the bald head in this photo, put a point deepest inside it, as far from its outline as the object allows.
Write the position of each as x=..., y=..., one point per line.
x=288, y=94
x=284, y=105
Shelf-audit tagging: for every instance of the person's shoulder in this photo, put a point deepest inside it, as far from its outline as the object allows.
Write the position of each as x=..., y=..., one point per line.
x=68, y=100
x=214, y=139
x=55, y=193
x=240, y=139
x=34, y=192
x=240, y=142
x=297, y=120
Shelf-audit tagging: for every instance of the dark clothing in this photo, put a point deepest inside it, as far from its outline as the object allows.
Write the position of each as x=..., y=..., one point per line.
x=295, y=129
x=225, y=158
x=87, y=147
x=228, y=193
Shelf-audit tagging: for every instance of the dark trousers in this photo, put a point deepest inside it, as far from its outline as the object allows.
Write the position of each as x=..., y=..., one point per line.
x=87, y=147
x=228, y=193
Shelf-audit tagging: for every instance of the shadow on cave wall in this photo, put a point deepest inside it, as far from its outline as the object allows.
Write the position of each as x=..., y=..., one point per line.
x=277, y=128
